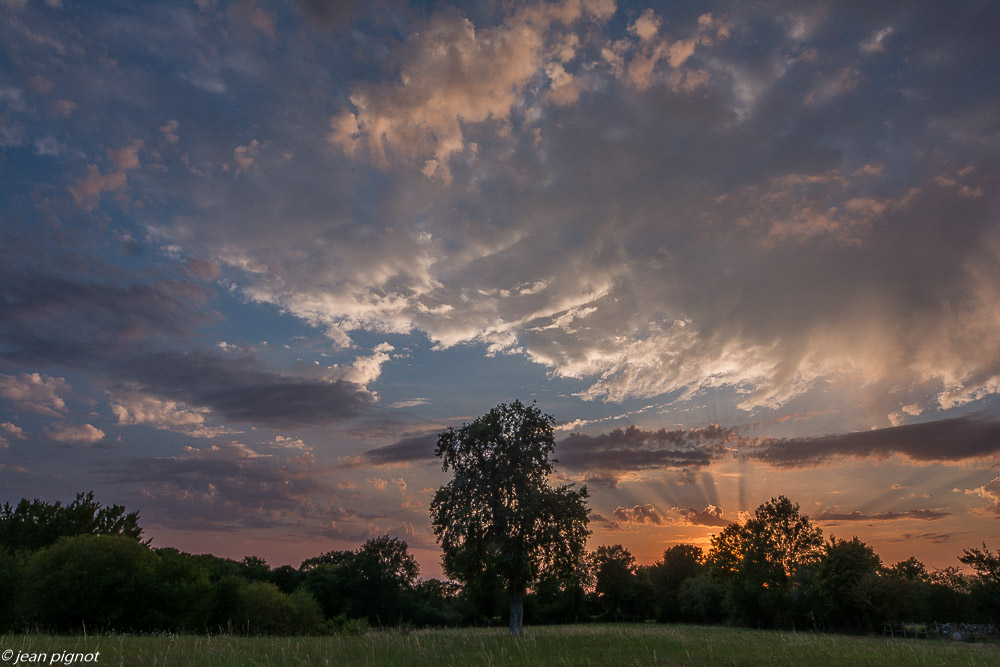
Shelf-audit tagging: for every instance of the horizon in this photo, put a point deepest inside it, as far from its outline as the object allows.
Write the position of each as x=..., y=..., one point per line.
x=255, y=256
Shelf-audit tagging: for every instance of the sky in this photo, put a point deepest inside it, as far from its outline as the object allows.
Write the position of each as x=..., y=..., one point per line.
x=255, y=256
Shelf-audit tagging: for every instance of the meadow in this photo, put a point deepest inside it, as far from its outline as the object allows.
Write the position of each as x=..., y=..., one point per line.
x=599, y=644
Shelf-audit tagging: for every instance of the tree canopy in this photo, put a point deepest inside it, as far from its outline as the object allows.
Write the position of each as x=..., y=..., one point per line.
x=498, y=519
x=756, y=560
x=34, y=524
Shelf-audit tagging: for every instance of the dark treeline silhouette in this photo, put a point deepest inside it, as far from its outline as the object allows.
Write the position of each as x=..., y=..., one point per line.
x=69, y=567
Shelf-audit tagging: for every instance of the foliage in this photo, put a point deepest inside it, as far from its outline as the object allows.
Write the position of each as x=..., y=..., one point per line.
x=679, y=563
x=983, y=562
x=372, y=582
x=498, y=519
x=31, y=525
x=103, y=581
x=767, y=571
x=985, y=589
x=617, y=584
x=756, y=561
x=847, y=569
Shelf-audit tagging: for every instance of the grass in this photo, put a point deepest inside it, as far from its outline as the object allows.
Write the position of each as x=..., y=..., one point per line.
x=618, y=644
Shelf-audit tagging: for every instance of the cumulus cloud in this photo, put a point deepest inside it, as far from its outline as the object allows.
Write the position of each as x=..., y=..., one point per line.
x=709, y=516
x=452, y=74
x=991, y=493
x=246, y=155
x=34, y=392
x=366, y=370
x=134, y=407
x=627, y=518
x=75, y=433
x=8, y=431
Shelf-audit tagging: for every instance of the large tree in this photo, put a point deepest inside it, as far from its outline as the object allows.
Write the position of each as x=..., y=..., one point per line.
x=498, y=519
x=757, y=561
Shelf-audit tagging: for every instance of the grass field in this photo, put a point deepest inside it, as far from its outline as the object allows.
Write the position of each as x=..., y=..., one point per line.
x=620, y=644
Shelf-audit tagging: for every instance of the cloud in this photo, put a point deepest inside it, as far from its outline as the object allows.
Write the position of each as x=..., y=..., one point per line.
x=75, y=433
x=945, y=440
x=243, y=390
x=408, y=450
x=125, y=333
x=222, y=487
x=710, y=516
x=49, y=319
x=246, y=155
x=133, y=407
x=736, y=248
x=991, y=493
x=366, y=370
x=452, y=74
x=626, y=518
x=88, y=190
x=34, y=392
x=858, y=515
x=169, y=130
x=936, y=538
x=7, y=431
x=607, y=456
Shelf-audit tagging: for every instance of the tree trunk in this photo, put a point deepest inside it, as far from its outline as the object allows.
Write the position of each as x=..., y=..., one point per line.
x=516, y=614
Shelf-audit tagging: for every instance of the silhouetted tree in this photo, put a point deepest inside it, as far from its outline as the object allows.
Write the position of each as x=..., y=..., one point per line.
x=679, y=563
x=35, y=524
x=386, y=572
x=844, y=573
x=371, y=582
x=756, y=561
x=615, y=573
x=498, y=519
x=985, y=587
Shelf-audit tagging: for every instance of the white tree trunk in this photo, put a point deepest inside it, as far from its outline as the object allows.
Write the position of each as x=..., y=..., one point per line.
x=516, y=614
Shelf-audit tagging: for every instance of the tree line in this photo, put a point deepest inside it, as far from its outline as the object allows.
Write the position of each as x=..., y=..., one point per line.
x=513, y=546
x=66, y=568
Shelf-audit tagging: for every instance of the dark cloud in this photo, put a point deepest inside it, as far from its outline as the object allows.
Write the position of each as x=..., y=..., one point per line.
x=49, y=319
x=333, y=15
x=242, y=389
x=936, y=538
x=120, y=330
x=858, y=515
x=602, y=458
x=416, y=448
x=607, y=456
x=221, y=487
x=955, y=439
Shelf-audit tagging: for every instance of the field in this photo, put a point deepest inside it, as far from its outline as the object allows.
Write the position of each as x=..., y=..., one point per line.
x=621, y=644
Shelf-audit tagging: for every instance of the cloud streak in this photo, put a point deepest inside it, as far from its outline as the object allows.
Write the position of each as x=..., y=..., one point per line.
x=946, y=440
